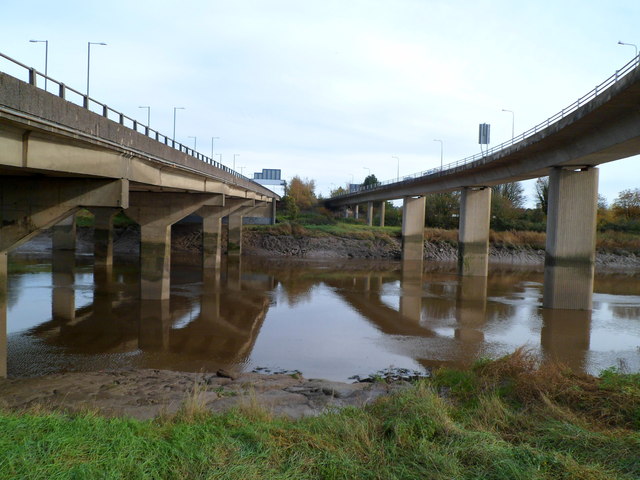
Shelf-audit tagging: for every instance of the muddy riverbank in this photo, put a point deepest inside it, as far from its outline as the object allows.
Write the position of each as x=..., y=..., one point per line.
x=188, y=238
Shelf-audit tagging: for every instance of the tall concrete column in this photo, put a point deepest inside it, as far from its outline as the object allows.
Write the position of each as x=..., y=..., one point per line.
x=64, y=234
x=234, y=245
x=383, y=205
x=370, y=213
x=3, y=314
x=473, y=236
x=103, y=236
x=356, y=211
x=571, y=239
x=413, y=228
x=211, y=235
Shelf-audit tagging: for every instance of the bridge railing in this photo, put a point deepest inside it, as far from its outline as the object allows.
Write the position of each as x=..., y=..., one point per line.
x=451, y=167
x=38, y=79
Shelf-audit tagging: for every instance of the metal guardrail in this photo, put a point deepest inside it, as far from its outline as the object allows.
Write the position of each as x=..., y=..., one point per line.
x=448, y=168
x=70, y=94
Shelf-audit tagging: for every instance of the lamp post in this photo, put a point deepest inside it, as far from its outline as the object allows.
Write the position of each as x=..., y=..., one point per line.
x=46, y=58
x=89, y=62
x=513, y=121
x=195, y=142
x=212, y=139
x=148, y=114
x=234, y=160
x=629, y=44
x=441, y=152
x=174, y=121
x=397, y=169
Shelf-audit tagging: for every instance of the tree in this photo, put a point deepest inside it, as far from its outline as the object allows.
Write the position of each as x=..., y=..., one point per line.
x=370, y=180
x=302, y=191
x=627, y=205
x=512, y=193
x=542, y=193
x=337, y=191
x=442, y=210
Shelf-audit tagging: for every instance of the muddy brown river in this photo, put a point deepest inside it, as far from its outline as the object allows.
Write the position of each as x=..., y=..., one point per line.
x=326, y=319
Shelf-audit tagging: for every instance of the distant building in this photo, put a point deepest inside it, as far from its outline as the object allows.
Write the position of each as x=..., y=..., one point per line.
x=269, y=176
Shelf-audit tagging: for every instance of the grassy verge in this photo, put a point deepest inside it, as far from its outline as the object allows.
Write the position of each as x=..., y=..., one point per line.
x=506, y=419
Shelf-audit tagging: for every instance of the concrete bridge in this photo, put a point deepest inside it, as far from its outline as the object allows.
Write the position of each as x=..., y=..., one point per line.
x=57, y=156
x=600, y=127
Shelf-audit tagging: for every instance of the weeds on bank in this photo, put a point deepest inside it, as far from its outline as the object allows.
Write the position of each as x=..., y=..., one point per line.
x=511, y=418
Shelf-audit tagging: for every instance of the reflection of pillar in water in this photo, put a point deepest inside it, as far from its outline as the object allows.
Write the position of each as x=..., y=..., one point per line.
x=210, y=300
x=471, y=308
x=411, y=290
x=3, y=314
x=566, y=335
x=234, y=273
x=155, y=325
x=103, y=289
x=63, y=302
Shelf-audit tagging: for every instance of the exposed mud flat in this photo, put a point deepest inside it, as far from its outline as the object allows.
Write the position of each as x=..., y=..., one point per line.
x=144, y=394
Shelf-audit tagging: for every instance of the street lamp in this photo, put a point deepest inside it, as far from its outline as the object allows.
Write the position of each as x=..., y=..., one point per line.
x=513, y=121
x=46, y=58
x=148, y=114
x=89, y=62
x=629, y=44
x=234, y=160
x=195, y=142
x=398, y=169
x=441, y=151
x=174, y=121
x=212, y=139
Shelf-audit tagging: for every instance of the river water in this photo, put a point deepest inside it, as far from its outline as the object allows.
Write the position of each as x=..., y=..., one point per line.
x=325, y=319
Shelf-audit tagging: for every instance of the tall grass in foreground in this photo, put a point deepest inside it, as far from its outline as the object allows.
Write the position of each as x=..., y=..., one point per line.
x=505, y=419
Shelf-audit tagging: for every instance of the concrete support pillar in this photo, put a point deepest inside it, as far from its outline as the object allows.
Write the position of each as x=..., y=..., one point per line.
x=413, y=228
x=103, y=236
x=234, y=245
x=383, y=205
x=346, y=212
x=155, y=213
x=273, y=212
x=211, y=237
x=473, y=236
x=3, y=313
x=356, y=211
x=64, y=234
x=370, y=213
x=571, y=239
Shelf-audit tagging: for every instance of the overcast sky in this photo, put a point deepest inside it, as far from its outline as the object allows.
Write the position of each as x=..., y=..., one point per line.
x=324, y=88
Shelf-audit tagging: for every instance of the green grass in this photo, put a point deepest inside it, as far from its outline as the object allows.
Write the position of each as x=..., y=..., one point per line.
x=549, y=424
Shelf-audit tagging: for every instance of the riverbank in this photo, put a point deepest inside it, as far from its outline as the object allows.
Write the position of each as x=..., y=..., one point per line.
x=506, y=419
x=358, y=242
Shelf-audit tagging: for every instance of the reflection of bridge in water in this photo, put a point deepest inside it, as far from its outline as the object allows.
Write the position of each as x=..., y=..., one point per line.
x=434, y=319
